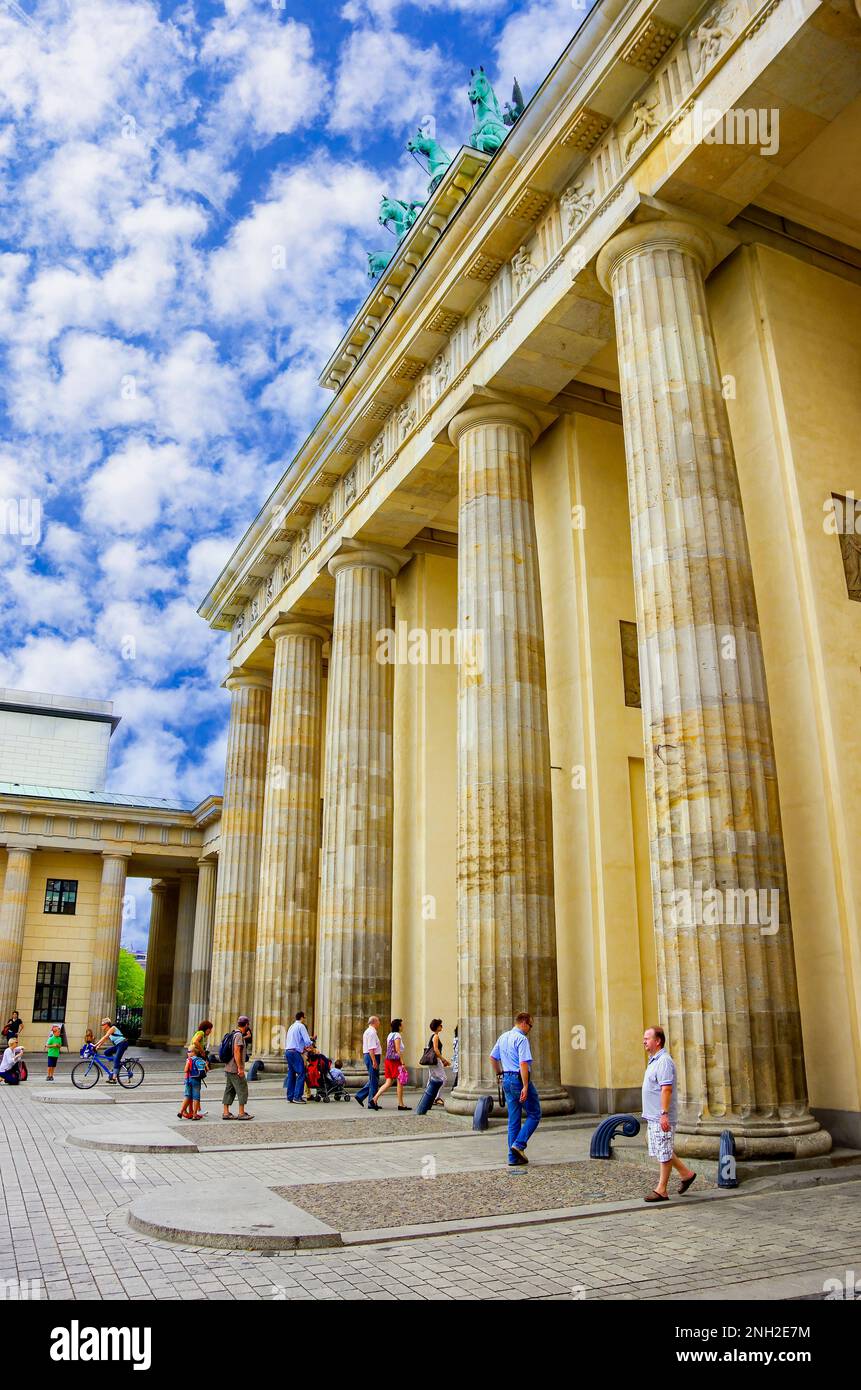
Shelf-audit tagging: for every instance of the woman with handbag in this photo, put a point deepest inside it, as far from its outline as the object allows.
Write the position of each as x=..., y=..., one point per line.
x=395, y=1069
x=433, y=1059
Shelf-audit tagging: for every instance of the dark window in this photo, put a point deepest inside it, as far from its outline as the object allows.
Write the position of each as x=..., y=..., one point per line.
x=52, y=987
x=61, y=895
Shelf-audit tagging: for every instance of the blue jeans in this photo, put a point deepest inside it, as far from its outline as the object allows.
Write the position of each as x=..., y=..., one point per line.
x=518, y=1133
x=372, y=1085
x=117, y=1054
x=294, y=1081
x=431, y=1092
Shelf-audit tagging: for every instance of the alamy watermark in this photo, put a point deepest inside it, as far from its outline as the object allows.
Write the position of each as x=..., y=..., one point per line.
x=758, y=127
x=716, y=907
x=21, y=517
x=435, y=646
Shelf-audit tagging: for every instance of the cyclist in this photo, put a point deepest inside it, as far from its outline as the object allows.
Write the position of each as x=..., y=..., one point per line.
x=114, y=1045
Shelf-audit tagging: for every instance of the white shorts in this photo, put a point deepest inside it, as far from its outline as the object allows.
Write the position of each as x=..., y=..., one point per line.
x=660, y=1141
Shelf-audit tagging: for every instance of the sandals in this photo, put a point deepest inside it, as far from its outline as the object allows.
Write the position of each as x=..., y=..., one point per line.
x=242, y=1117
x=685, y=1184
x=656, y=1197
x=229, y=1117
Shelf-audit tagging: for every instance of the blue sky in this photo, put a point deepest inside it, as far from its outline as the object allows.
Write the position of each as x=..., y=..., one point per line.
x=157, y=372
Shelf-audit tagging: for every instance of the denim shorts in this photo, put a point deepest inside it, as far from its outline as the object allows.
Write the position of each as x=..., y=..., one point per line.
x=192, y=1090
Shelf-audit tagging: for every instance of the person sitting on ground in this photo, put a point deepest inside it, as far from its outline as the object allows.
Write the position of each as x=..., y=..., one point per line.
x=10, y=1065
x=113, y=1044
x=52, y=1047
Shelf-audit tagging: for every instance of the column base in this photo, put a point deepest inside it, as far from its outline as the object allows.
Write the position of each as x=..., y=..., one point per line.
x=799, y=1138
x=555, y=1100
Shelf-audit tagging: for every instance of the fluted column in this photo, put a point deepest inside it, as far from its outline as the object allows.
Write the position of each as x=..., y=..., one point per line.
x=149, y=1017
x=106, y=948
x=506, y=922
x=355, y=915
x=201, y=955
x=235, y=930
x=727, y=989
x=13, y=915
x=290, y=857
x=181, y=983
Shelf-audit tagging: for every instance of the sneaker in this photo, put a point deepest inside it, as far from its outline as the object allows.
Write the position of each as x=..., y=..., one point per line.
x=518, y=1155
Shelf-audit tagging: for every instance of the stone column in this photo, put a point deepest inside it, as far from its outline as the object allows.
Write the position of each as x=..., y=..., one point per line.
x=355, y=916
x=106, y=949
x=235, y=929
x=167, y=952
x=726, y=974
x=290, y=858
x=149, y=1018
x=201, y=955
x=181, y=984
x=505, y=914
x=13, y=915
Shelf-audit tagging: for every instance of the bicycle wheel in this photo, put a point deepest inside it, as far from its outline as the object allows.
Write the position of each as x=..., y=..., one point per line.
x=131, y=1074
x=85, y=1075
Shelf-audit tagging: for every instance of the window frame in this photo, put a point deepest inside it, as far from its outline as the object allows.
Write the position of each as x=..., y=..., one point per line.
x=57, y=891
x=54, y=989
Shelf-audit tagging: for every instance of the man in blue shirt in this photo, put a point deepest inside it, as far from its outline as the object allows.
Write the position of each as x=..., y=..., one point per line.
x=298, y=1041
x=512, y=1059
x=660, y=1110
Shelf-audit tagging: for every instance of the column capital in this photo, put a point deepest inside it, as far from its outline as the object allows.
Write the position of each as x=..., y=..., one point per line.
x=495, y=413
x=358, y=555
x=116, y=854
x=207, y=861
x=240, y=678
x=671, y=234
x=286, y=625
x=158, y=888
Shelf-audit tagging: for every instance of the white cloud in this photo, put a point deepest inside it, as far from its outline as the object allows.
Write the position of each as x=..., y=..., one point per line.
x=385, y=80
x=532, y=40
x=126, y=493
x=274, y=84
x=205, y=561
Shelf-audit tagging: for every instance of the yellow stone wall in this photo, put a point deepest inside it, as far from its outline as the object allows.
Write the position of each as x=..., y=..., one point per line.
x=53, y=937
x=424, y=912
x=605, y=949
x=789, y=334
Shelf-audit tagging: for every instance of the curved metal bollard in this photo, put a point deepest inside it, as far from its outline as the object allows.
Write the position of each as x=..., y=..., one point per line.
x=482, y=1113
x=602, y=1139
x=256, y=1066
x=726, y=1160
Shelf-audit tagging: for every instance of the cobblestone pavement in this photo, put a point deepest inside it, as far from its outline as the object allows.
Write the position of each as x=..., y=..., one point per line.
x=62, y=1223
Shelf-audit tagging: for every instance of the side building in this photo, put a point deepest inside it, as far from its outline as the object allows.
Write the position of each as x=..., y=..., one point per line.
x=67, y=850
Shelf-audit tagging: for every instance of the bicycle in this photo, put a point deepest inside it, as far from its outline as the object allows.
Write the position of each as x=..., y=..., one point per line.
x=87, y=1073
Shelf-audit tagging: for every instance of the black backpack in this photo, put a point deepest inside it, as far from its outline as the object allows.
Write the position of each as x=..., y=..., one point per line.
x=225, y=1052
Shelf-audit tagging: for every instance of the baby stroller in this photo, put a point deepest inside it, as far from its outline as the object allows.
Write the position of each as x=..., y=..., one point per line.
x=321, y=1082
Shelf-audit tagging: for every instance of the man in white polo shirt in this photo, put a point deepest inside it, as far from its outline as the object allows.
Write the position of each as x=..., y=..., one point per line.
x=660, y=1109
x=371, y=1052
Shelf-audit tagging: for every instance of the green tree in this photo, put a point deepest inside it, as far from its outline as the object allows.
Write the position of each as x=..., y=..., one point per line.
x=130, y=981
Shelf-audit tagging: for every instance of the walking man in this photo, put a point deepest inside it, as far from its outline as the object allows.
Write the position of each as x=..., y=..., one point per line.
x=371, y=1051
x=235, y=1080
x=512, y=1058
x=298, y=1041
x=660, y=1107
